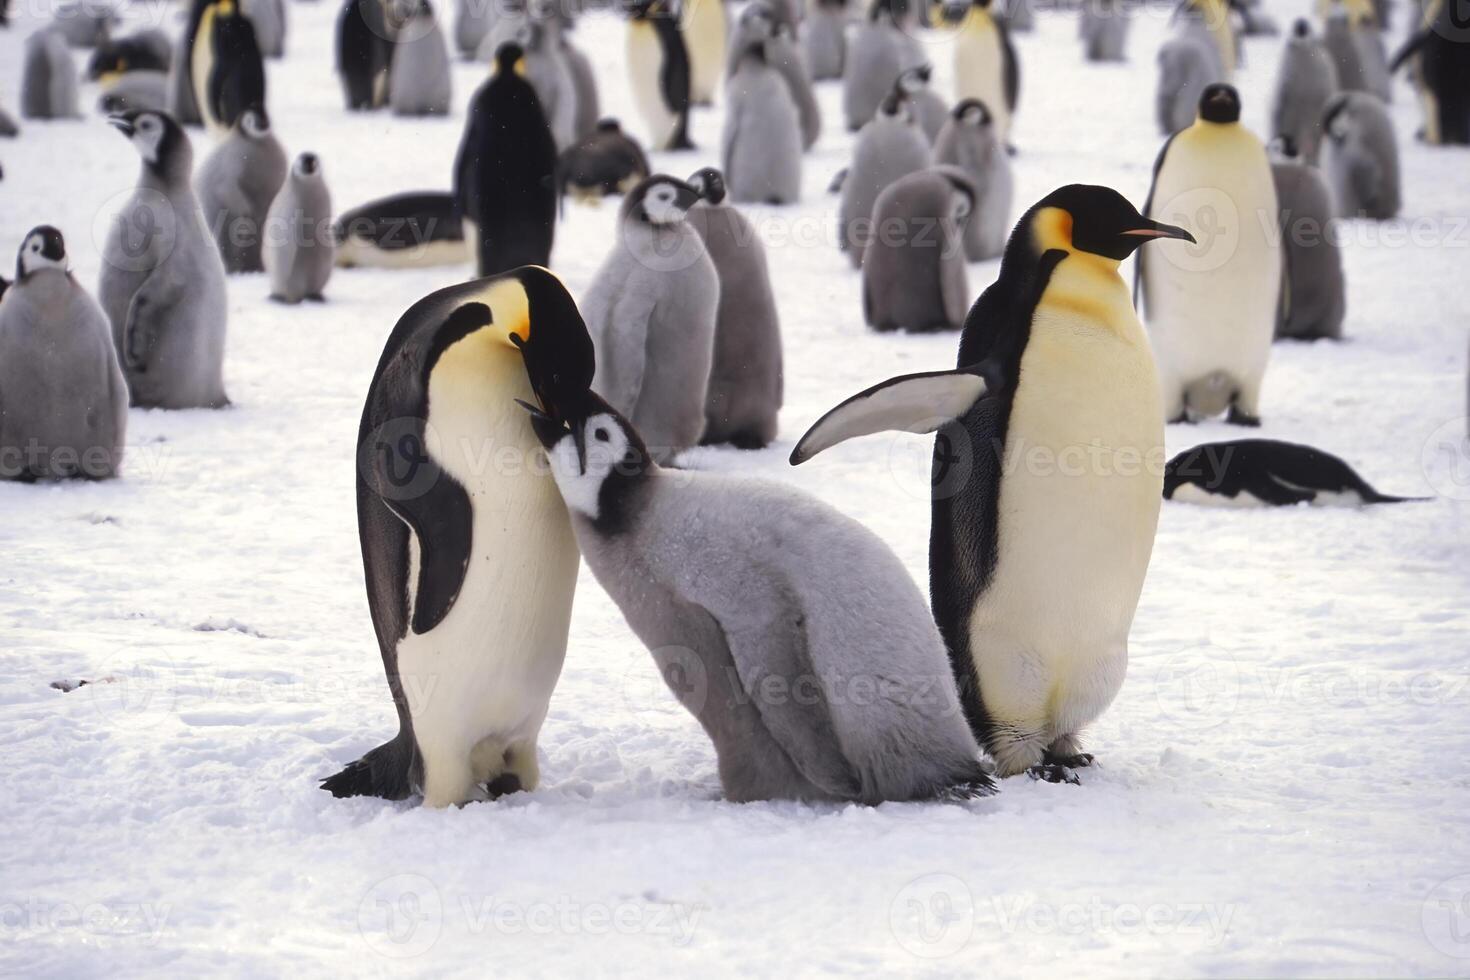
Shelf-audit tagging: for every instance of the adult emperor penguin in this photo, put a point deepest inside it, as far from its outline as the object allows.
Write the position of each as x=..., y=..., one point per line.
x=48, y=82
x=1267, y=473
x=470, y=568
x=1313, y=294
x=1306, y=80
x=705, y=26
x=298, y=250
x=225, y=65
x=1211, y=311
x=914, y=268
x=652, y=310
x=505, y=172
x=1360, y=157
x=985, y=65
x=163, y=284
x=237, y=183
x=268, y=17
x=411, y=230
x=887, y=148
x=761, y=143
x=658, y=66
x=418, y=78
x=1036, y=568
x=1439, y=52
x=746, y=380
x=968, y=141
x=801, y=600
x=364, y=53
x=63, y=399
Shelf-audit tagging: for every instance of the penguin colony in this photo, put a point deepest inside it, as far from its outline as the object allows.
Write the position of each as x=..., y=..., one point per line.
x=676, y=344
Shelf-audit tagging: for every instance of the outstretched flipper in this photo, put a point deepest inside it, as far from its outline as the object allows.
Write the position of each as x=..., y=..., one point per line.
x=909, y=403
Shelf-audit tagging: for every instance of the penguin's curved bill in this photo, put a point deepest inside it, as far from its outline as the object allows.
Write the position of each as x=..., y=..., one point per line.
x=552, y=431
x=1157, y=229
x=121, y=123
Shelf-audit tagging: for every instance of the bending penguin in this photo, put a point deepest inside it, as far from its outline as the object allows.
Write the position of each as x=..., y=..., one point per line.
x=1211, y=313
x=789, y=601
x=1267, y=473
x=470, y=568
x=917, y=282
x=1052, y=356
x=745, y=380
x=658, y=65
x=762, y=142
x=63, y=398
x=163, y=284
x=236, y=185
x=297, y=252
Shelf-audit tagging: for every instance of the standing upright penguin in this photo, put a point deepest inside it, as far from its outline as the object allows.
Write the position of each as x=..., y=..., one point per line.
x=888, y=147
x=364, y=53
x=1439, y=52
x=1313, y=295
x=1352, y=38
x=652, y=310
x=163, y=284
x=745, y=381
x=1035, y=569
x=985, y=65
x=48, y=83
x=758, y=22
x=1304, y=82
x=181, y=103
x=879, y=53
x=505, y=171
x=63, y=399
x=1360, y=157
x=968, y=141
x=929, y=107
x=544, y=65
x=237, y=183
x=584, y=86
x=226, y=66
x=470, y=568
x=761, y=145
x=704, y=26
x=825, y=39
x=299, y=249
x=1211, y=312
x=1188, y=64
x=658, y=63
x=1104, y=30
x=418, y=78
x=914, y=269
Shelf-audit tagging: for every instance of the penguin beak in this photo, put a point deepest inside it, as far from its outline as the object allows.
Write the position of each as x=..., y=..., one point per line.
x=122, y=124
x=1157, y=229
x=551, y=432
x=687, y=197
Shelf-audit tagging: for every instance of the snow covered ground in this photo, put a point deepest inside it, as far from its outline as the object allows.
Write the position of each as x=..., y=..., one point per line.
x=1284, y=778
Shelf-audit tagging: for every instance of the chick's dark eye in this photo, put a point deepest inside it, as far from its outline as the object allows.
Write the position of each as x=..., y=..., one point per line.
x=600, y=434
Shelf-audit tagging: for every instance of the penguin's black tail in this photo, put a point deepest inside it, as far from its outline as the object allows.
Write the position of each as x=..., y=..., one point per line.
x=1371, y=496
x=382, y=772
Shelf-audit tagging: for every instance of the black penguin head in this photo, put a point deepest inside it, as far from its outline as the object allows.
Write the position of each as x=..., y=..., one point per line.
x=1220, y=103
x=159, y=140
x=535, y=313
x=709, y=183
x=660, y=200
x=254, y=123
x=915, y=80
x=307, y=166
x=43, y=248
x=597, y=458
x=509, y=59
x=896, y=104
x=1302, y=28
x=972, y=112
x=1094, y=220
x=608, y=125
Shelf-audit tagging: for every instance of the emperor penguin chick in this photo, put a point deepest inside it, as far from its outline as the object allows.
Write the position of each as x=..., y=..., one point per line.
x=418, y=79
x=1313, y=294
x=236, y=185
x=801, y=599
x=914, y=269
x=652, y=310
x=1360, y=157
x=888, y=147
x=968, y=141
x=824, y=39
x=299, y=250
x=761, y=144
x=1305, y=82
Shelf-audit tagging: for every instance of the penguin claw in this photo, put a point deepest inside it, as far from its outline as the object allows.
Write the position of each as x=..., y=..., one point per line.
x=1080, y=760
x=1052, y=772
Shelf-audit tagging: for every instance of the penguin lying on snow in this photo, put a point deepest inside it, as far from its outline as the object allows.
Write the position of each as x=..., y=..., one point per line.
x=1267, y=473
x=608, y=161
x=784, y=610
x=413, y=230
x=147, y=50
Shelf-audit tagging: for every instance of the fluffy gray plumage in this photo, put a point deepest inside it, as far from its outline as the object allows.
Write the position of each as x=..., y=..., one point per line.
x=1188, y=62
x=163, y=284
x=651, y=311
x=63, y=399
x=1104, y=30
x=584, y=84
x=758, y=23
x=760, y=149
x=969, y=142
x=1358, y=53
x=824, y=37
x=878, y=54
x=268, y=17
x=930, y=109
x=48, y=81
x=546, y=69
x=1314, y=298
x=419, y=83
x=914, y=271
x=236, y=184
x=1360, y=157
x=298, y=251
x=890, y=146
x=1305, y=81
x=791, y=632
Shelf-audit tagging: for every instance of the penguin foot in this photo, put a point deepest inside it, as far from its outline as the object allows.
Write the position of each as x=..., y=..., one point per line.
x=1237, y=417
x=1079, y=760
x=503, y=785
x=1051, y=772
x=316, y=298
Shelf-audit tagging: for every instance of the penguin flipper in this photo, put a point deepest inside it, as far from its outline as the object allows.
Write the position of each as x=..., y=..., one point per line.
x=440, y=517
x=383, y=772
x=909, y=403
x=1409, y=49
x=1147, y=212
x=156, y=293
x=625, y=343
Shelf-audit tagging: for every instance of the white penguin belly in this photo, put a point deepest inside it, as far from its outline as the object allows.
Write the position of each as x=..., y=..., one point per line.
x=645, y=61
x=1079, y=504
x=1212, y=307
x=979, y=71
x=485, y=674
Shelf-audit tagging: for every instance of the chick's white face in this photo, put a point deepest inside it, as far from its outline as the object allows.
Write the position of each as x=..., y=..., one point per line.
x=35, y=255
x=580, y=481
x=661, y=204
x=148, y=132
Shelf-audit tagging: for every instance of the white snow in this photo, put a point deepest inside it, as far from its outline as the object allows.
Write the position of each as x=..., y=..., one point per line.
x=1284, y=781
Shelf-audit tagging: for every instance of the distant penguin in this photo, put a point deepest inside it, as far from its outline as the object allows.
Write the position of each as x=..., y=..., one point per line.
x=888, y=147
x=802, y=600
x=472, y=21
x=146, y=50
x=134, y=90
x=1360, y=156
x=607, y=162
x=930, y=109
x=968, y=141
x=163, y=284
x=82, y=23
x=659, y=73
x=48, y=81
x=914, y=268
x=824, y=39
x=298, y=249
x=1187, y=65
x=761, y=145
x=505, y=171
x=63, y=398
x=1439, y=56
x=364, y=53
x=704, y=26
x=183, y=106
x=1267, y=473
x=985, y=65
x=758, y=23
x=268, y=17
x=878, y=54
x=470, y=567
x=584, y=85
x=412, y=230
x=544, y=66
x=8, y=126
x=1052, y=359
x=1211, y=311
x=1211, y=19
x=226, y=66
x=237, y=183
x=652, y=310
x=418, y=79
x=1313, y=295
x=1304, y=83
x=1357, y=50
x=746, y=378
x=1104, y=30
